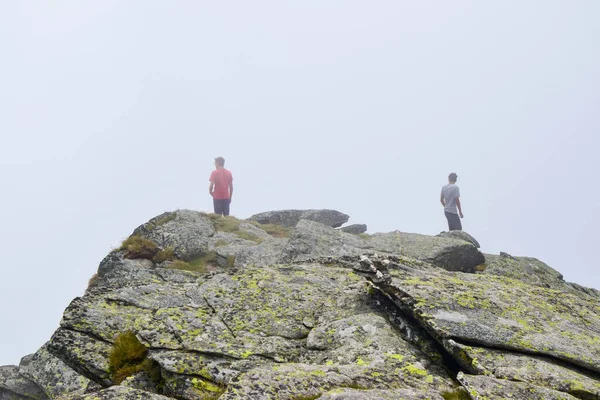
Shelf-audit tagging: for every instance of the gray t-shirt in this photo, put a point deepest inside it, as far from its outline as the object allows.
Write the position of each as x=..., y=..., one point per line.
x=450, y=192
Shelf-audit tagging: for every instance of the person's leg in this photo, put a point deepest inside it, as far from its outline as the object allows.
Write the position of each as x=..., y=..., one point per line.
x=453, y=222
x=226, y=204
x=218, y=205
x=447, y=214
x=457, y=223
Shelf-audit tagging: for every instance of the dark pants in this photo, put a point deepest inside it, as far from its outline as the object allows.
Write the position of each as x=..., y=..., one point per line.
x=453, y=221
x=221, y=206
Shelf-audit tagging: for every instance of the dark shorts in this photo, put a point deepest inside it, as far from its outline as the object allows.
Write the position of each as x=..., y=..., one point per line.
x=453, y=221
x=221, y=206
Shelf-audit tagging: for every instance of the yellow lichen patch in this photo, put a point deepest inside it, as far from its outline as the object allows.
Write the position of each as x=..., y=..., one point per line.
x=209, y=390
x=397, y=357
x=414, y=371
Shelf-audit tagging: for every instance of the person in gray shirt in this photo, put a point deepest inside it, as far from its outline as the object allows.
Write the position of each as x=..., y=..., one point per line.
x=450, y=199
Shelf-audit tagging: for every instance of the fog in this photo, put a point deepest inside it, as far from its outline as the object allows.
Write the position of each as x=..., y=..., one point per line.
x=112, y=113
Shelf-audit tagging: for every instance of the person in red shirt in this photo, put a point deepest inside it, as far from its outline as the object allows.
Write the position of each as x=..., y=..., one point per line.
x=221, y=187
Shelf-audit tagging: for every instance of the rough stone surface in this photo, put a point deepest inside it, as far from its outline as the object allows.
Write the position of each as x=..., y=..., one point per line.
x=402, y=394
x=15, y=385
x=462, y=235
x=582, y=289
x=535, y=370
x=290, y=218
x=53, y=375
x=447, y=253
x=268, y=252
x=117, y=393
x=500, y=312
x=284, y=324
x=187, y=232
x=485, y=387
x=354, y=228
x=524, y=269
x=8, y=395
x=322, y=314
x=82, y=352
x=311, y=240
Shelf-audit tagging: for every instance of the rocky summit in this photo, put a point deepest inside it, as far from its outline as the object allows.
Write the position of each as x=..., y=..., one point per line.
x=290, y=305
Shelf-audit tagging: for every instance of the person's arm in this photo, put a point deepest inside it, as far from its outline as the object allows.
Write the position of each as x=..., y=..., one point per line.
x=442, y=199
x=211, y=187
x=459, y=207
x=230, y=189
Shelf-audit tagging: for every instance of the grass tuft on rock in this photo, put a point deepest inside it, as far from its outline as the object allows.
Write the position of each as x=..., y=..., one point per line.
x=275, y=230
x=200, y=264
x=232, y=225
x=138, y=247
x=166, y=254
x=93, y=281
x=230, y=261
x=127, y=357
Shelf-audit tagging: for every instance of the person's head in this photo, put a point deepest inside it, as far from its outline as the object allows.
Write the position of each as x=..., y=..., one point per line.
x=219, y=162
x=452, y=178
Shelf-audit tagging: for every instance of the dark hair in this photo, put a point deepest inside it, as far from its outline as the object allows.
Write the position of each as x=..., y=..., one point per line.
x=452, y=177
x=220, y=161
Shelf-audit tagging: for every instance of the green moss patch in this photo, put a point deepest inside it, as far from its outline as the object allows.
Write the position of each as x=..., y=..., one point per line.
x=458, y=394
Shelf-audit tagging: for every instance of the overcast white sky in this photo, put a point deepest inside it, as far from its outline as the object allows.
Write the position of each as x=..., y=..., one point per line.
x=112, y=112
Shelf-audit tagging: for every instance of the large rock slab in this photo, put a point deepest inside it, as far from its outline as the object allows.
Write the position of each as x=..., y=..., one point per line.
x=524, y=269
x=14, y=385
x=52, y=375
x=187, y=232
x=290, y=218
x=313, y=240
x=499, y=312
x=268, y=252
x=585, y=290
x=534, y=370
x=116, y=272
x=461, y=235
x=294, y=318
x=118, y=393
x=82, y=352
x=221, y=331
x=485, y=387
x=448, y=253
x=400, y=394
x=8, y=395
x=355, y=229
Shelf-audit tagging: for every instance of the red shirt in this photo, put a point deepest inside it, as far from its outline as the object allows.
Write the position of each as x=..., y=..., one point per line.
x=222, y=179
